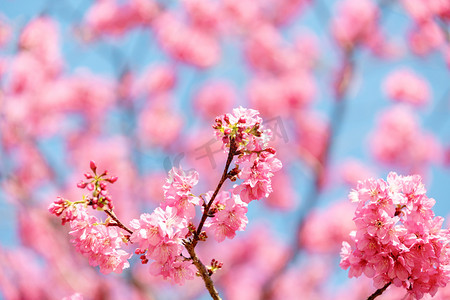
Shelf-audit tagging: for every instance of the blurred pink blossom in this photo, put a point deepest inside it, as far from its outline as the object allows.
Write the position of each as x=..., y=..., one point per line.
x=355, y=22
x=404, y=85
x=158, y=79
x=325, y=229
x=185, y=43
x=45, y=50
x=425, y=37
x=158, y=124
x=399, y=140
x=214, y=98
x=353, y=170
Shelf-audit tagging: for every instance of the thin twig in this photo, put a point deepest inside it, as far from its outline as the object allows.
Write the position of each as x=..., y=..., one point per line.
x=202, y=271
x=231, y=154
x=119, y=224
x=190, y=245
x=379, y=291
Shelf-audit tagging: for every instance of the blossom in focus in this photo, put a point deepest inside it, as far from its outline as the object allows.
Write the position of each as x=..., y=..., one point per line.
x=398, y=239
x=229, y=216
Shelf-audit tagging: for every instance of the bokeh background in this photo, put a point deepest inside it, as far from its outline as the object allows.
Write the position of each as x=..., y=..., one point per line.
x=135, y=85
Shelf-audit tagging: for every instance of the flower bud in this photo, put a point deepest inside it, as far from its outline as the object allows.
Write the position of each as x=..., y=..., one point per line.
x=112, y=179
x=82, y=184
x=93, y=166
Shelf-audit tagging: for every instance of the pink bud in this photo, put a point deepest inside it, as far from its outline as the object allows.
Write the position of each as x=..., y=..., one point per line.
x=88, y=175
x=271, y=150
x=112, y=179
x=82, y=184
x=93, y=166
x=90, y=187
x=241, y=120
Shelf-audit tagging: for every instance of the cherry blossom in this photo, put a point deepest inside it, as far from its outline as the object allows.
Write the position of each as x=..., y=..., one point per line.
x=398, y=240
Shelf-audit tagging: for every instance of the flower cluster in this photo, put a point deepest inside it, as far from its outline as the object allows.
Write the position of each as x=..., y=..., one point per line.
x=397, y=239
x=228, y=216
x=399, y=139
x=244, y=127
x=177, y=192
x=404, y=85
x=64, y=209
x=100, y=241
x=257, y=161
x=162, y=236
x=257, y=170
x=159, y=237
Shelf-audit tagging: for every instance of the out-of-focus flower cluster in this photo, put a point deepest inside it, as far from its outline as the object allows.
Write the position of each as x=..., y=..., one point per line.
x=398, y=239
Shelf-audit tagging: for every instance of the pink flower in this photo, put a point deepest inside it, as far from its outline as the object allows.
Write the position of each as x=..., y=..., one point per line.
x=404, y=244
x=99, y=243
x=167, y=250
x=229, y=218
x=282, y=95
x=425, y=37
x=160, y=125
x=76, y=296
x=146, y=231
x=214, y=98
x=353, y=171
x=176, y=271
x=108, y=17
x=263, y=48
x=185, y=43
x=64, y=209
x=158, y=79
x=325, y=229
x=355, y=22
x=404, y=85
x=177, y=192
x=244, y=126
x=284, y=196
x=115, y=261
x=204, y=15
x=47, y=52
x=257, y=173
x=399, y=140
x=159, y=235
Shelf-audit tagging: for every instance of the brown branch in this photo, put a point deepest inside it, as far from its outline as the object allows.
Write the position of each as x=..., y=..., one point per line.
x=202, y=271
x=190, y=245
x=118, y=223
x=379, y=291
x=231, y=153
